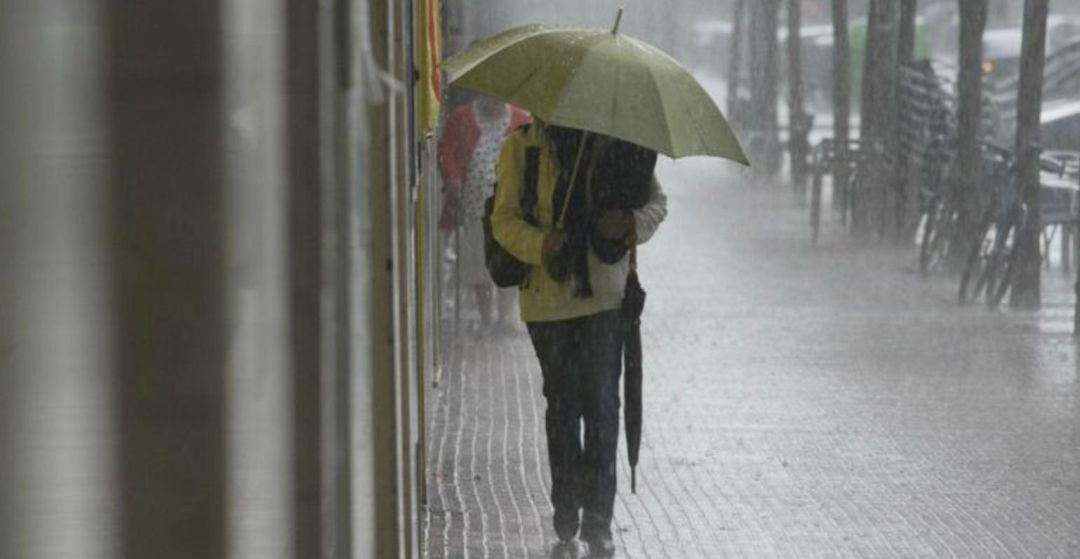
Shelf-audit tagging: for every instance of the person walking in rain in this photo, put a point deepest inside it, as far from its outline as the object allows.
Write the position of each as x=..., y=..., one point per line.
x=571, y=303
x=468, y=150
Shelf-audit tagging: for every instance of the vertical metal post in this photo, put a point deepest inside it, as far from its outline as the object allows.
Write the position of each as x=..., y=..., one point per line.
x=386, y=460
x=405, y=229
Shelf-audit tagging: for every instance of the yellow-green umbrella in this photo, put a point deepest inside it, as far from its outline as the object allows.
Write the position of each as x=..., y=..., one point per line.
x=600, y=81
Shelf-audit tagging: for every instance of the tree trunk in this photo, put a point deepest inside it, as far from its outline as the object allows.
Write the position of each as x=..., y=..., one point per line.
x=869, y=71
x=879, y=117
x=798, y=125
x=735, y=60
x=906, y=49
x=841, y=95
x=969, y=86
x=763, y=84
x=1025, y=291
x=907, y=205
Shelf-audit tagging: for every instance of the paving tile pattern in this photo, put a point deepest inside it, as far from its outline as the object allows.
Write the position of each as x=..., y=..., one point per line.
x=801, y=401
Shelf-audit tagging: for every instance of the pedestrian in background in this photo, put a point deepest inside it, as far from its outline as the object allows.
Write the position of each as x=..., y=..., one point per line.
x=468, y=151
x=571, y=304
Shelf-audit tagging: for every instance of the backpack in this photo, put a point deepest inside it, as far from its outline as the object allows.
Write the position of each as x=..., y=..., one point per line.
x=505, y=269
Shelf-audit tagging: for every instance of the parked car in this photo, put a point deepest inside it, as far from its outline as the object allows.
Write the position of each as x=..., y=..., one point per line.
x=1060, y=117
x=1001, y=54
x=1002, y=47
x=1059, y=127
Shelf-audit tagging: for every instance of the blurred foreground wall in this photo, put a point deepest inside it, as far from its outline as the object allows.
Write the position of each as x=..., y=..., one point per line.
x=200, y=342
x=56, y=436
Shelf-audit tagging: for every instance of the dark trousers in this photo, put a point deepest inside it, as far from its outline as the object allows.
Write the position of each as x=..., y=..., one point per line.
x=581, y=360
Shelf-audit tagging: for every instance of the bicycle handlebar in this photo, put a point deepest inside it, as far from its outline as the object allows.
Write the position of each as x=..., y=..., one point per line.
x=1003, y=153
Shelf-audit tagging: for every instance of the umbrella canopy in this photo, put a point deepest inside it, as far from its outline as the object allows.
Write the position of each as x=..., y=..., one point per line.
x=600, y=81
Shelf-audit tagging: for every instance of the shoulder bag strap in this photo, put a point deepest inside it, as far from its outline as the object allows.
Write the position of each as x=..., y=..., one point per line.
x=528, y=194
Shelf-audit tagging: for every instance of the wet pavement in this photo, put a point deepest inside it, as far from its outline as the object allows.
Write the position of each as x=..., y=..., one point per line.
x=800, y=401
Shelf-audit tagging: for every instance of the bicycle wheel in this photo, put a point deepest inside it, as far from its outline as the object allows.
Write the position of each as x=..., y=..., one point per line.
x=976, y=271
x=935, y=237
x=1003, y=264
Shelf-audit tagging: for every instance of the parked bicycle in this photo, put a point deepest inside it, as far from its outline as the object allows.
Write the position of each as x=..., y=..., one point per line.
x=939, y=223
x=989, y=264
x=827, y=159
x=992, y=259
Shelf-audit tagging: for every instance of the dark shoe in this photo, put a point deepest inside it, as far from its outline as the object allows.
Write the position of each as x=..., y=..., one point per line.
x=569, y=549
x=566, y=523
x=601, y=546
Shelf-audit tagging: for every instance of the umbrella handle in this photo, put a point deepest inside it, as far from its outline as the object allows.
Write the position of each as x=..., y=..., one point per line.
x=573, y=181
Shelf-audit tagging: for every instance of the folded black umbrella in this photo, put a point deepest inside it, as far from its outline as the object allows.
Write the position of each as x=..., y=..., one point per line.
x=633, y=304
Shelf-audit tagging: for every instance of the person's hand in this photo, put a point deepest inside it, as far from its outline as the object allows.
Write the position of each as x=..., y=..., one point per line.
x=615, y=224
x=553, y=242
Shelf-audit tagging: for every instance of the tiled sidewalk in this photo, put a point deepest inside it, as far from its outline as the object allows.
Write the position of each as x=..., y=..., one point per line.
x=800, y=402
x=487, y=454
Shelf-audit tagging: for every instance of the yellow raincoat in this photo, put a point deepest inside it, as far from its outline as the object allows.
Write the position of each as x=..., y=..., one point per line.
x=542, y=299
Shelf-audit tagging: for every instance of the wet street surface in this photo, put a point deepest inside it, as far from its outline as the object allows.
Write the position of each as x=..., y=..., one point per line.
x=800, y=401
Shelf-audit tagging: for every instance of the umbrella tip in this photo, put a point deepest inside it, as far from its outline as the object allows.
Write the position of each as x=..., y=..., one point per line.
x=618, y=18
